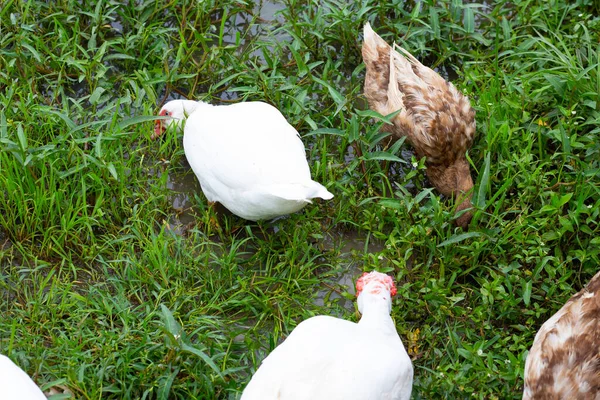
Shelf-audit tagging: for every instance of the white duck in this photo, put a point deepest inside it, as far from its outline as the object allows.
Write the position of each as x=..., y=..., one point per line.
x=15, y=384
x=330, y=358
x=564, y=360
x=246, y=157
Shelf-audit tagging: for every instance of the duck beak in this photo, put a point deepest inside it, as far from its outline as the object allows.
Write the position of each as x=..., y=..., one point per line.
x=159, y=127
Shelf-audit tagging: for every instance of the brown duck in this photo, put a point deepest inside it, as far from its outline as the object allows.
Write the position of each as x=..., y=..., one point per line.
x=434, y=116
x=564, y=360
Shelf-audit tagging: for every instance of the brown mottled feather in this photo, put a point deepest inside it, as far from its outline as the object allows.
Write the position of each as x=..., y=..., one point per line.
x=434, y=116
x=564, y=361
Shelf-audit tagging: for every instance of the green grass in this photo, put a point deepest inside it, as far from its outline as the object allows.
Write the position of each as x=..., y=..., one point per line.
x=102, y=294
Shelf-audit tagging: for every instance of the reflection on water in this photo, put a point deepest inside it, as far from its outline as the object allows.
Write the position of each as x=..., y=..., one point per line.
x=117, y=26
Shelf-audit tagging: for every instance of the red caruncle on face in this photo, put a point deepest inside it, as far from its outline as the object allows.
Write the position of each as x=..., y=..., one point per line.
x=384, y=281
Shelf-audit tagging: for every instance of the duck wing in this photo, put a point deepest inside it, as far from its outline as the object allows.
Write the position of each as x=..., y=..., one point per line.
x=435, y=117
x=244, y=146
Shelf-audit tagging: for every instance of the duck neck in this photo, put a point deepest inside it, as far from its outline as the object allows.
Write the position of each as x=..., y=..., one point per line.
x=376, y=314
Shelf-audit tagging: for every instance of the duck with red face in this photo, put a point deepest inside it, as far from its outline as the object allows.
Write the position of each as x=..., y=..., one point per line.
x=328, y=358
x=246, y=157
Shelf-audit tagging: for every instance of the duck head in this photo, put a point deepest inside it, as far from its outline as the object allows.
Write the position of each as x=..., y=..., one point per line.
x=455, y=180
x=375, y=287
x=177, y=111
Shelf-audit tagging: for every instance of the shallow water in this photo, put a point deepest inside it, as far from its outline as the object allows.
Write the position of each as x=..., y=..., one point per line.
x=263, y=19
x=183, y=187
x=349, y=244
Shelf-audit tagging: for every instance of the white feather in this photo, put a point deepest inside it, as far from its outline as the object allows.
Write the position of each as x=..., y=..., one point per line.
x=249, y=158
x=330, y=358
x=15, y=384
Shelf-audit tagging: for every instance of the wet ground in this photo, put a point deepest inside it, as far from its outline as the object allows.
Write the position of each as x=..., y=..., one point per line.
x=185, y=187
x=242, y=29
x=265, y=18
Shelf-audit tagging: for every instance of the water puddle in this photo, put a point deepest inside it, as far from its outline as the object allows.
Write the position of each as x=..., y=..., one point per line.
x=349, y=247
x=258, y=23
x=184, y=186
x=446, y=71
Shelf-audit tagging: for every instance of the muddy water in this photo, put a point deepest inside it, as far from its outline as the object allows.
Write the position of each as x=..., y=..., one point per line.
x=260, y=24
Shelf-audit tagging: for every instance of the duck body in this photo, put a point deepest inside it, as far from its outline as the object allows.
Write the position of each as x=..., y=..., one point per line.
x=330, y=358
x=434, y=116
x=248, y=158
x=564, y=360
x=15, y=384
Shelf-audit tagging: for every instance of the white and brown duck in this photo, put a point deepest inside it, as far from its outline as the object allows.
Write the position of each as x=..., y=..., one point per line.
x=564, y=360
x=435, y=117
